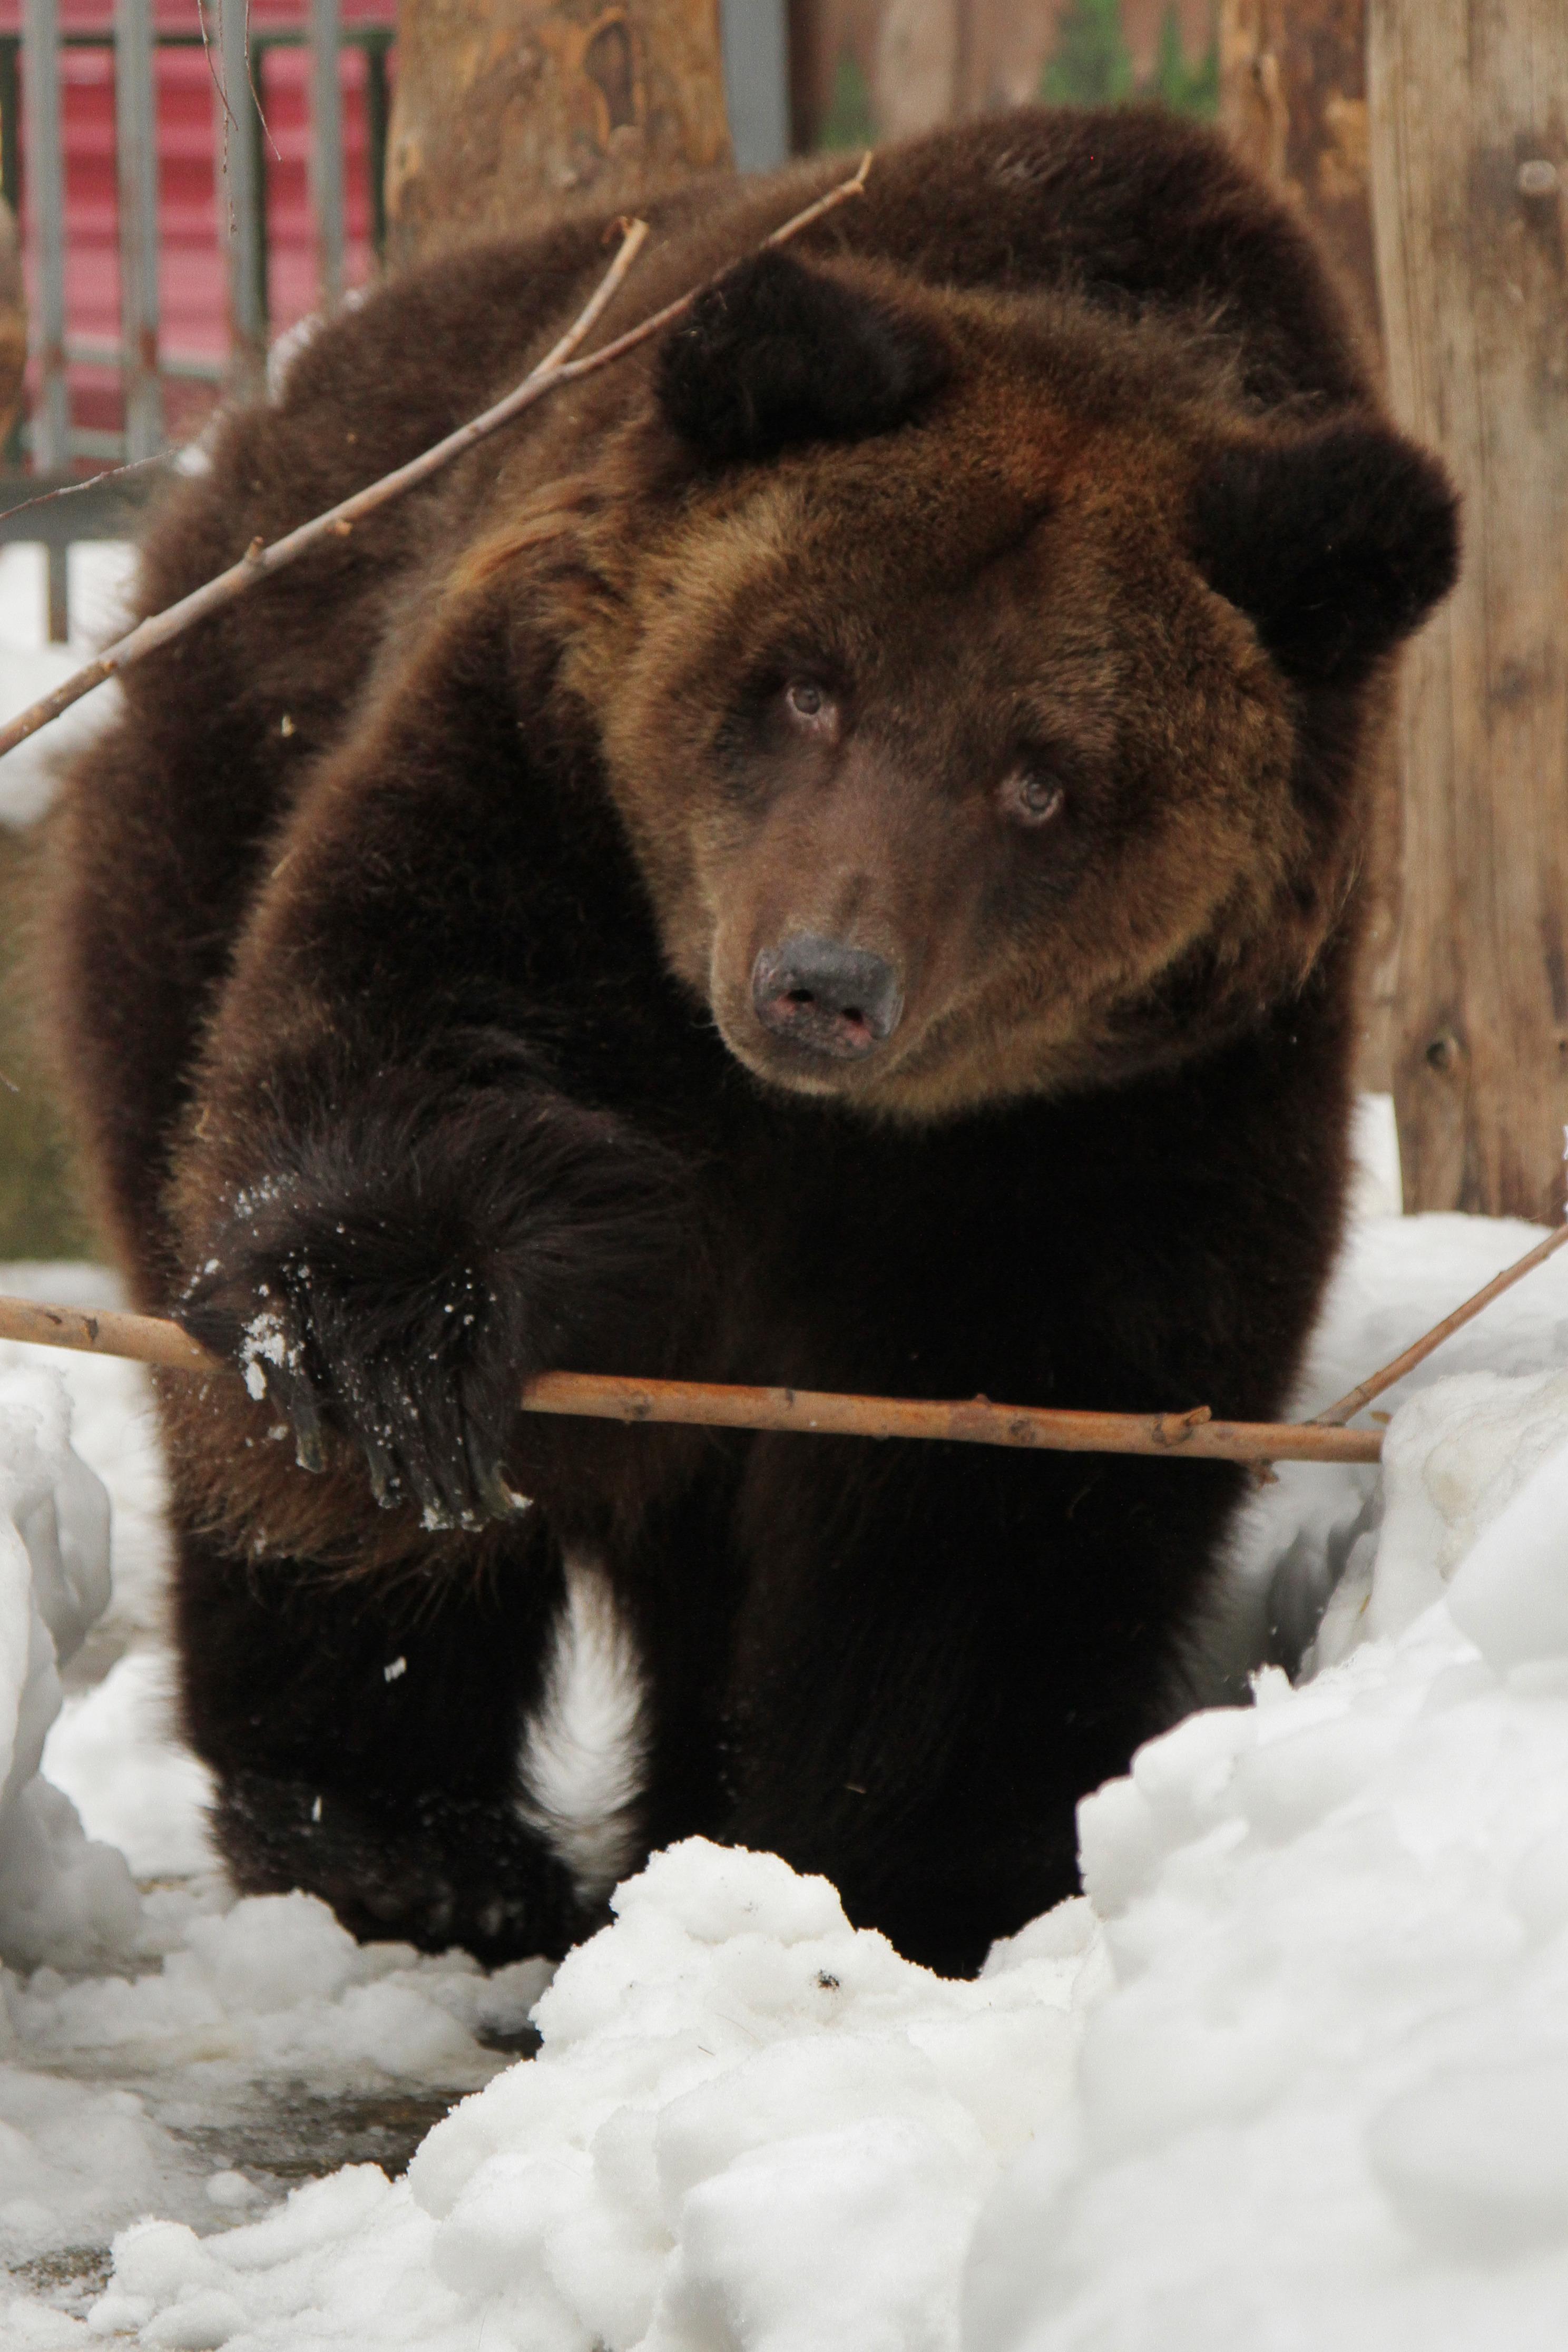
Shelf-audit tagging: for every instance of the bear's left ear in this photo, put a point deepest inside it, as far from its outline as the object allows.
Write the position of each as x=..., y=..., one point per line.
x=1336, y=542
x=776, y=352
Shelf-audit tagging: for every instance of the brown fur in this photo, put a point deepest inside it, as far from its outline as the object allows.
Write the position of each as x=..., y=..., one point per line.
x=1000, y=589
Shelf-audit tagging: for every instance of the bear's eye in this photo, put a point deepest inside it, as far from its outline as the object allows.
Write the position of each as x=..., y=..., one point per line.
x=1033, y=796
x=811, y=706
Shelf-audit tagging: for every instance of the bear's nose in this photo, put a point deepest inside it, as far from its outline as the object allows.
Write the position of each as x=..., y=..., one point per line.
x=827, y=997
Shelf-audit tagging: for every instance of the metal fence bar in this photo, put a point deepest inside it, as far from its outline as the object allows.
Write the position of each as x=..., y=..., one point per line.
x=136, y=160
x=378, y=117
x=46, y=211
x=239, y=170
x=755, y=37
x=32, y=145
x=327, y=146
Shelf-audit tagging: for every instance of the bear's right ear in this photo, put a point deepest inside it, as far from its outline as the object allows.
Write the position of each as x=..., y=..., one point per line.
x=1336, y=542
x=776, y=353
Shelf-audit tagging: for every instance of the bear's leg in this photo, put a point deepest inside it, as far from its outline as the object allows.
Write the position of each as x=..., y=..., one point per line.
x=366, y=1732
x=942, y=1649
x=678, y=1585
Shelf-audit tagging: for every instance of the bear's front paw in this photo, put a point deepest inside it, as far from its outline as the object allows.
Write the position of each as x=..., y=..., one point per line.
x=400, y=1278
x=423, y=1375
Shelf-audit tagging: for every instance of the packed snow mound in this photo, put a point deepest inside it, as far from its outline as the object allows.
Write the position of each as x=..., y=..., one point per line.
x=113, y=1428
x=1295, y=2073
x=749, y=2124
x=60, y=1895
x=112, y=1751
x=1327, y=2102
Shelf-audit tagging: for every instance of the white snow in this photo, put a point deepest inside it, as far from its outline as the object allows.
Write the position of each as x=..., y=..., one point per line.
x=99, y=571
x=1294, y=2074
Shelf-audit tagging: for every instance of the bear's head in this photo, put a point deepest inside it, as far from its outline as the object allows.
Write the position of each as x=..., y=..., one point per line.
x=984, y=684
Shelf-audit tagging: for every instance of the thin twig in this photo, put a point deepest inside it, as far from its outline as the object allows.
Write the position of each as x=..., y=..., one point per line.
x=87, y=482
x=259, y=562
x=1334, y=1416
x=1175, y=1437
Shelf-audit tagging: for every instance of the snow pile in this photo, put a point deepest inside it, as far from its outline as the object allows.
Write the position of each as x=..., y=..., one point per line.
x=114, y=1430
x=1299, y=2075
x=749, y=2124
x=180, y=2086
x=1328, y=2100
x=1396, y=1278
x=273, y=1984
x=132, y=1783
x=58, y=1893
x=110, y=1749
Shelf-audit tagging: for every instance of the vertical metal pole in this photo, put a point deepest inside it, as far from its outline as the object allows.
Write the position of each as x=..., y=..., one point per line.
x=755, y=38
x=45, y=212
x=10, y=123
x=327, y=146
x=377, y=108
x=136, y=145
x=239, y=201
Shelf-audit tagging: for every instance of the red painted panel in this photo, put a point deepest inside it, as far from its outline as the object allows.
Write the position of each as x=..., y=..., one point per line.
x=191, y=260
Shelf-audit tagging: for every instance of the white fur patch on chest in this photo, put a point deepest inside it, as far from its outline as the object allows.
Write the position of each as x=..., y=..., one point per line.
x=582, y=1761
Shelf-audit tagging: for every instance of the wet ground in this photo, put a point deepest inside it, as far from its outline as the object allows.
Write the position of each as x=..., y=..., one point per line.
x=278, y=2137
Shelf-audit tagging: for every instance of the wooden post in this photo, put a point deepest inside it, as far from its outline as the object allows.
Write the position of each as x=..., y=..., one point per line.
x=1293, y=101
x=919, y=64
x=1469, y=144
x=506, y=106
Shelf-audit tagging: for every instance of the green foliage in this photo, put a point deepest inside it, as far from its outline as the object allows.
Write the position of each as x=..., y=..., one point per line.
x=1185, y=89
x=1091, y=65
x=848, y=120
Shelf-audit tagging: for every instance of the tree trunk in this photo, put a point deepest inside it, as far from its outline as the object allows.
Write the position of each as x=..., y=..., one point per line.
x=1293, y=99
x=505, y=106
x=919, y=64
x=1470, y=104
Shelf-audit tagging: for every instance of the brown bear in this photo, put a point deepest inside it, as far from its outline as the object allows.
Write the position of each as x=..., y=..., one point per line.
x=827, y=855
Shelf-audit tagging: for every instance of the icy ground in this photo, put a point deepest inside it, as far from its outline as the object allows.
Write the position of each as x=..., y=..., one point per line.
x=1295, y=2074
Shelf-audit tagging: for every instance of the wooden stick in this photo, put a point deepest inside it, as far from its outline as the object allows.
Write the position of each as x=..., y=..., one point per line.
x=259, y=562
x=598, y=1396
x=1334, y=1415
x=143, y=1339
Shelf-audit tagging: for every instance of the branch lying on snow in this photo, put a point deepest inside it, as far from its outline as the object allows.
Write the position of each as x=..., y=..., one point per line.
x=604, y=1396
x=259, y=562
x=1333, y=1415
